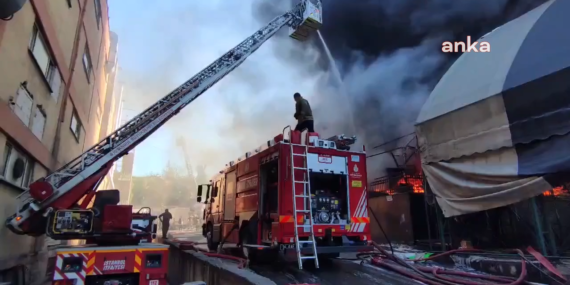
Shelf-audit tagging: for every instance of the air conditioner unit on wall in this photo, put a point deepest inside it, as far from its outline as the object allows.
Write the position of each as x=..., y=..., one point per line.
x=16, y=167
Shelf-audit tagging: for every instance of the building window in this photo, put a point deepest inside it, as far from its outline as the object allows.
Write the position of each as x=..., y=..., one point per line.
x=40, y=52
x=87, y=62
x=39, y=123
x=17, y=167
x=75, y=125
x=98, y=12
x=22, y=106
x=55, y=83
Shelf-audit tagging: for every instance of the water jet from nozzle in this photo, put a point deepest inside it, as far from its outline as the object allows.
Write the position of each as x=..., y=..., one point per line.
x=342, y=88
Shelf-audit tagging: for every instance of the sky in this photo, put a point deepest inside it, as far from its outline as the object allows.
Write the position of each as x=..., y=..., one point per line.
x=164, y=43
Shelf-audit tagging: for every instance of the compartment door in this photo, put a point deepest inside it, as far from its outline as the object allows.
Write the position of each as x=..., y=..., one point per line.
x=230, y=198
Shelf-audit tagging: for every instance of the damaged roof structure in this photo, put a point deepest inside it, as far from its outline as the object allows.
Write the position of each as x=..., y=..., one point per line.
x=495, y=130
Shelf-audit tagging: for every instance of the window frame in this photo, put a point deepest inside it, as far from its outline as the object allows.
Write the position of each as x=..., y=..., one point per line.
x=77, y=131
x=42, y=113
x=48, y=70
x=29, y=96
x=86, y=59
x=55, y=75
x=98, y=13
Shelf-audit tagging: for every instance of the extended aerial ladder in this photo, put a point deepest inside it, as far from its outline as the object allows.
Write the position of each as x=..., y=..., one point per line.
x=78, y=180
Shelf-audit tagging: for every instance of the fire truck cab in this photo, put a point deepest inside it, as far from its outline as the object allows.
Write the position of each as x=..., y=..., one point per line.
x=250, y=202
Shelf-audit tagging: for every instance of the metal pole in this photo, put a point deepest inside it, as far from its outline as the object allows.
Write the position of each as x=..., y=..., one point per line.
x=68, y=82
x=440, y=225
x=551, y=239
x=538, y=224
x=426, y=205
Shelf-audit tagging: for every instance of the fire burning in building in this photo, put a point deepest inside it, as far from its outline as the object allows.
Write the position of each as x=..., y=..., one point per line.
x=400, y=183
x=410, y=180
x=557, y=191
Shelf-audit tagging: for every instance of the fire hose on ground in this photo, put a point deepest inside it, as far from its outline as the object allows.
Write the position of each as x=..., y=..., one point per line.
x=420, y=273
x=434, y=276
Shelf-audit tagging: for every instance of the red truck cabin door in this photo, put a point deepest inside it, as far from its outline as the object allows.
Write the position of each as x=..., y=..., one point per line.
x=230, y=199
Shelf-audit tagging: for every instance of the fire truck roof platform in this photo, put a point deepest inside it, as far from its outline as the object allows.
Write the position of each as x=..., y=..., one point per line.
x=281, y=139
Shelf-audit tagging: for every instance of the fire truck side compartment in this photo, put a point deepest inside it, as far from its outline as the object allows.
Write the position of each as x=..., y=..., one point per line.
x=330, y=197
x=142, y=264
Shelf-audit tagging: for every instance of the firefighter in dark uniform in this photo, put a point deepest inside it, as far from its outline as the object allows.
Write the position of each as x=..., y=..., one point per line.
x=303, y=114
x=165, y=220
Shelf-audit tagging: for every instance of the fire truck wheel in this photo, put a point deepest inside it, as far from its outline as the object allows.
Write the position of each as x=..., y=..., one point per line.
x=212, y=246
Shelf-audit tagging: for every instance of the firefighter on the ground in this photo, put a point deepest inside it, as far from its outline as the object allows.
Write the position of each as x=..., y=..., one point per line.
x=303, y=114
x=165, y=220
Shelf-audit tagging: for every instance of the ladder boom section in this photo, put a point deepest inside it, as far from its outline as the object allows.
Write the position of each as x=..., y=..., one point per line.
x=109, y=150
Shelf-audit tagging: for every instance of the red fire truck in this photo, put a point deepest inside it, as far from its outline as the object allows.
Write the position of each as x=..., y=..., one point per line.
x=304, y=196
x=118, y=249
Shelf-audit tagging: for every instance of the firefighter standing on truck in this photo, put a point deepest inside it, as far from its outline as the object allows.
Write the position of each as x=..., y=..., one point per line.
x=165, y=220
x=303, y=114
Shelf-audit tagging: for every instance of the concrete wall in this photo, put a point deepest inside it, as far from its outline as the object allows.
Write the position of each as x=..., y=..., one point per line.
x=188, y=266
x=56, y=23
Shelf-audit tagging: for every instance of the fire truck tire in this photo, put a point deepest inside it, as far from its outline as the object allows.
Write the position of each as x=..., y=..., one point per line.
x=212, y=246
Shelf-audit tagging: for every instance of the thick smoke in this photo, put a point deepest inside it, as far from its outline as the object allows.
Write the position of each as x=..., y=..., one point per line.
x=388, y=53
x=389, y=57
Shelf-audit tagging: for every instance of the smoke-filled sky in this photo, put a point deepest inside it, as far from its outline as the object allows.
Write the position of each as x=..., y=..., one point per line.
x=388, y=53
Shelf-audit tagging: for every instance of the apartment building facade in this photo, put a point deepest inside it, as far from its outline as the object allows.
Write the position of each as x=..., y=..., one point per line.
x=55, y=64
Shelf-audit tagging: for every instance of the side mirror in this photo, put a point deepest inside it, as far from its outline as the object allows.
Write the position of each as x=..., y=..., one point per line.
x=199, y=195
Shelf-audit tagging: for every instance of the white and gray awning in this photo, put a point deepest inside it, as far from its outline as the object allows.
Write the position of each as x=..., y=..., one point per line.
x=515, y=97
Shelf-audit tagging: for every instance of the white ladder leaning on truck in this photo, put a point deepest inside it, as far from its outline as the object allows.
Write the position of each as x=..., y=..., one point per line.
x=65, y=187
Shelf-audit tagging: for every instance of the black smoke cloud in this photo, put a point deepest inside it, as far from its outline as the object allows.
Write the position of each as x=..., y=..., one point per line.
x=389, y=57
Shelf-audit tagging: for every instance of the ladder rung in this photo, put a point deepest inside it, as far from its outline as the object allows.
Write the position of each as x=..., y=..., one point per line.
x=305, y=241
x=302, y=196
x=301, y=168
x=303, y=211
x=299, y=181
x=309, y=225
x=299, y=154
x=308, y=257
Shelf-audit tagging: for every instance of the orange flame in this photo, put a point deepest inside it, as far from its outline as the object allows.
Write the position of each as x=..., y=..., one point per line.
x=415, y=183
x=556, y=191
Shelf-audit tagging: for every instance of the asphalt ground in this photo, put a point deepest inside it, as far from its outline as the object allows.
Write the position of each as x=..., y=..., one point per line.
x=330, y=272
